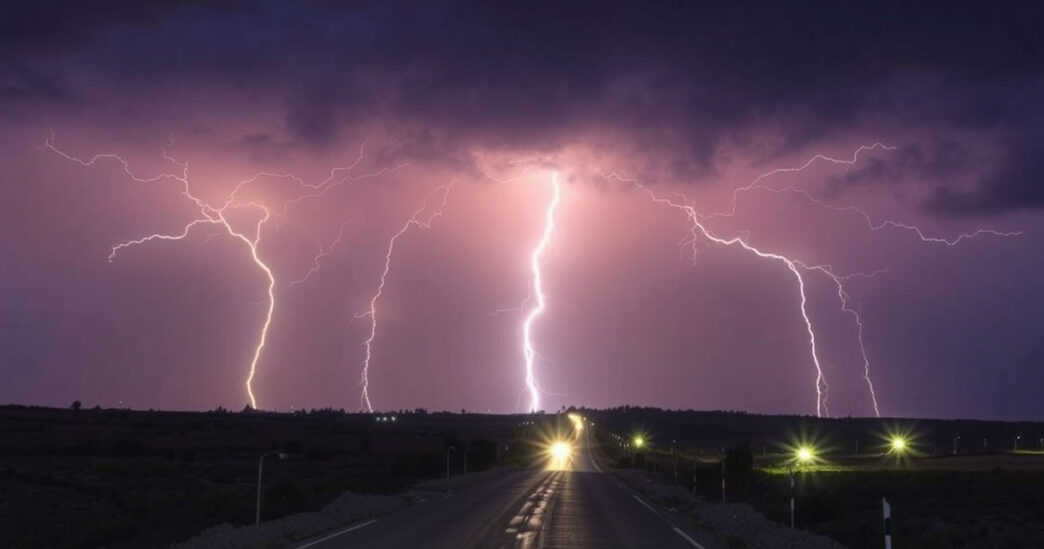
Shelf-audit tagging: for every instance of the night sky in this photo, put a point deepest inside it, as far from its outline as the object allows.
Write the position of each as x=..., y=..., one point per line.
x=374, y=107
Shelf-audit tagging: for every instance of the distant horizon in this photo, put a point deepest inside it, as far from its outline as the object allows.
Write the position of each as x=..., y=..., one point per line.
x=86, y=407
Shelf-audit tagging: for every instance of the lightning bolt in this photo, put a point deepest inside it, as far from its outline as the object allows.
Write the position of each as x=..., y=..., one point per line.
x=537, y=290
x=846, y=307
x=758, y=184
x=323, y=252
x=217, y=216
x=419, y=222
x=698, y=229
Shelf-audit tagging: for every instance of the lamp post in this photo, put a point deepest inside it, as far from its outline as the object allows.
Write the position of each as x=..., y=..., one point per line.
x=791, y=469
x=1016, y=445
x=448, y=450
x=955, y=439
x=260, y=464
x=803, y=455
x=674, y=457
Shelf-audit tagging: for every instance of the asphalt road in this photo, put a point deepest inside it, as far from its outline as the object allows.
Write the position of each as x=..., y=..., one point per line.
x=578, y=506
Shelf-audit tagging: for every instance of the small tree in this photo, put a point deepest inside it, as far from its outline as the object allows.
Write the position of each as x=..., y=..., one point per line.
x=76, y=405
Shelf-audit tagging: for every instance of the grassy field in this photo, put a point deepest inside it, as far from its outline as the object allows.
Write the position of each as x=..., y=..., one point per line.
x=119, y=478
x=973, y=499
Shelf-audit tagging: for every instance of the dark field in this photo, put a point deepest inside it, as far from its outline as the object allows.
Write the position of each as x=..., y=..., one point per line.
x=119, y=478
x=992, y=499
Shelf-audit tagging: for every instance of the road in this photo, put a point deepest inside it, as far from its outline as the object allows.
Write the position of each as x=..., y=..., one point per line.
x=577, y=506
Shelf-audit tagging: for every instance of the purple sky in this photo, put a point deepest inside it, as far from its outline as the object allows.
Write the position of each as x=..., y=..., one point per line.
x=494, y=99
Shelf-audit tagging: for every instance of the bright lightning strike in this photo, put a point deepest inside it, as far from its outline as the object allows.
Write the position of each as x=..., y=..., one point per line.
x=537, y=290
x=210, y=214
x=415, y=220
x=758, y=184
x=697, y=230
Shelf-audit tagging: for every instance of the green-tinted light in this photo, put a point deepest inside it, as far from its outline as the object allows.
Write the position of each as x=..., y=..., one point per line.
x=898, y=444
x=805, y=454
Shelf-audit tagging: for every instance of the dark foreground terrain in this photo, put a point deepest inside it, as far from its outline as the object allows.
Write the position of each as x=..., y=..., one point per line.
x=121, y=478
x=944, y=492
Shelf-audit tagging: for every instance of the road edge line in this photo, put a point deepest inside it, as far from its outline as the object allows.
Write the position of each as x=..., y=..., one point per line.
x=338, y=533
x=688, y=538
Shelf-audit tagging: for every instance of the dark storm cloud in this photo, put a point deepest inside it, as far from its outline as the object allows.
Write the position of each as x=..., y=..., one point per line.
x=1017, y=184
x=676, y=80
x=23, y=88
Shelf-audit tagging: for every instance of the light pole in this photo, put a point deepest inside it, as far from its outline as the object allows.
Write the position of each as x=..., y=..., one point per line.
x=804, y=454
x=955, y=439
x=674, y=457
x=1016, y=446
x=791, y=469
x=260, y=463
x=448, y=450
x=723, y=479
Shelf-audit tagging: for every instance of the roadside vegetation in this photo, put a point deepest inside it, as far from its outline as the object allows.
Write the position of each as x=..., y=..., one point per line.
x=79, y=477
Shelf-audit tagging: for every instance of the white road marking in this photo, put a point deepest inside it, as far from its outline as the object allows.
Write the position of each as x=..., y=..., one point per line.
x=335, y=534
x=688, y=539
x=646, y=505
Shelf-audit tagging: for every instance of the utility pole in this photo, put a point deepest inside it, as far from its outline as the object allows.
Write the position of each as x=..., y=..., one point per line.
x=791, y=498
x=674, y=457
x=723, y=480
x=260, y=464
x=886, y=511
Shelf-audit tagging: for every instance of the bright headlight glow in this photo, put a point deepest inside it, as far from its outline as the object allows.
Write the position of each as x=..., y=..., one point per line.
x=560, y=451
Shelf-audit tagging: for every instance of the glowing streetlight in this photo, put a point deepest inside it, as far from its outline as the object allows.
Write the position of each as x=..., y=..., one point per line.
x=899, y=445
x=639, y=441
x=805, y=454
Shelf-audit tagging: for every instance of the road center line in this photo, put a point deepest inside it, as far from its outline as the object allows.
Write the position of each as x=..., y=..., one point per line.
x=335, y=534
x=687, y=538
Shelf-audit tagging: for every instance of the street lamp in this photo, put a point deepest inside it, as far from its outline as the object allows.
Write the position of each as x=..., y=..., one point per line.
x=1016, y=447
x=955, y=439
x=674, y=457
x=448, y=450
x=805, y=455
x=898, y=445
x=260, y=463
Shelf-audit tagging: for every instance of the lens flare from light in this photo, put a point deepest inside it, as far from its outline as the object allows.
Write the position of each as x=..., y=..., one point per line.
x=898, y=445
x=560, y=453
x=805, y=454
